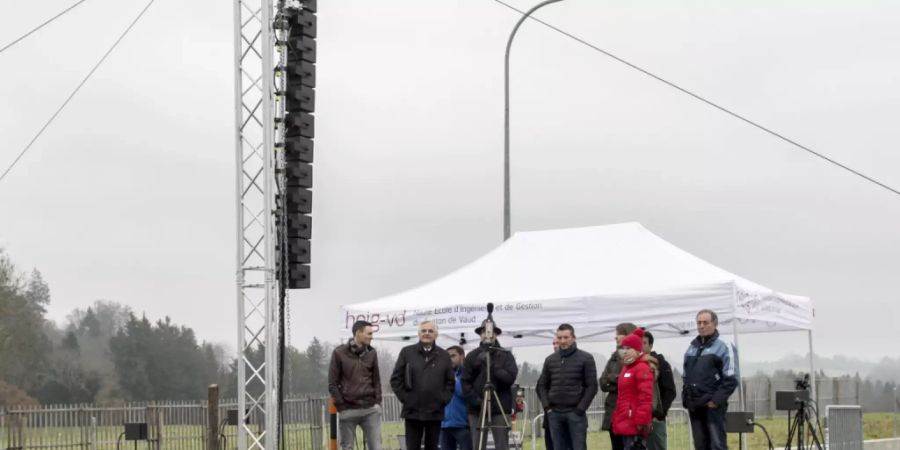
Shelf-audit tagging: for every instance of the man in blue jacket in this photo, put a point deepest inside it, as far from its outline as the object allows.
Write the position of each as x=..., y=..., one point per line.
x=455, y=427
x=710, y=376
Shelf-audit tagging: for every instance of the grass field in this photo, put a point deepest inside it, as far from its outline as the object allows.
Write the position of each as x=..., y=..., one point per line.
x=875, y=426
x=186, y=437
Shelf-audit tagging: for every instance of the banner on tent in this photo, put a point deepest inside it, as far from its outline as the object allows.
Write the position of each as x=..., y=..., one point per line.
x=509, y=316
x=772, y=309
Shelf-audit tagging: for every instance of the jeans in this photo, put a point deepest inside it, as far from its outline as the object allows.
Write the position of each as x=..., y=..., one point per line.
x=499, y=430
x=456, y=439
x=367, y=418
x=656, y=440
x=569, y=430
x=708, y=428
x=633, y=442
x=417, y=429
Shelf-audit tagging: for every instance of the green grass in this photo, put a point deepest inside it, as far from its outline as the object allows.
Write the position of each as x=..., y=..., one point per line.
x=875, y=426
x=187, y=437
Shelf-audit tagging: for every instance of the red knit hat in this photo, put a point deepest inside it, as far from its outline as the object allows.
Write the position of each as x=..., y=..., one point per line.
x=635, y=340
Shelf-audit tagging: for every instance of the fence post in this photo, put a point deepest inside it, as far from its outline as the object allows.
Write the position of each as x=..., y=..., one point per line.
x=212, y=425
x=836, y=390
x=333, y=424
x=93, y=433
x=156, y=418
x=818, y=391
x=20, y=431
x=895, y=406
x=770, y=405
x=743, y=394
x=323, y=441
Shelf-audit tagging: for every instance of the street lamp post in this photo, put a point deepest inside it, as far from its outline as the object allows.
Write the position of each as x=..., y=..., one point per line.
x=506, y=227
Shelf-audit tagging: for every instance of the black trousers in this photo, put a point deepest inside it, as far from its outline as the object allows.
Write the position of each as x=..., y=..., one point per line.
x=616, y=441
x=416, y=430
x=548, y=439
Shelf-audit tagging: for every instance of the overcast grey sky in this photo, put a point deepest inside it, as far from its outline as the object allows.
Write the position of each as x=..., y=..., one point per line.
x=128, y=196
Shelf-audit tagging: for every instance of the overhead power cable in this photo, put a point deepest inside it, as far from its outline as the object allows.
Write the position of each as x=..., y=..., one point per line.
x=41, y=25
x=704, y=100
x=77, y=88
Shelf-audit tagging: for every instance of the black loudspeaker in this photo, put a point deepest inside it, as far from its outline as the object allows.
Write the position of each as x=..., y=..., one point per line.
x=790, y=400
x=739, y=422
x=136, y=431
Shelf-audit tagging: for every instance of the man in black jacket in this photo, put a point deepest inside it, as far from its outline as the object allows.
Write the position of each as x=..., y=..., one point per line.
x=548, y=438
x=503, y=374
x=665, y=383
x=567, y=385
x=423, y=381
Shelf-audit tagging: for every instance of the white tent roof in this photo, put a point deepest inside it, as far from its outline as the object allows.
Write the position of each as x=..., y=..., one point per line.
x=593, y=278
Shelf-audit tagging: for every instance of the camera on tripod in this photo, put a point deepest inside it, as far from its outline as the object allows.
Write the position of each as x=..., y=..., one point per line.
x=802, y=383
x=488, y=332
x=794, y=400
x=804, y=425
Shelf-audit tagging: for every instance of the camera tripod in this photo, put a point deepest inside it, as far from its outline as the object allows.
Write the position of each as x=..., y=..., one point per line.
x=488, y=395
x=804, y=424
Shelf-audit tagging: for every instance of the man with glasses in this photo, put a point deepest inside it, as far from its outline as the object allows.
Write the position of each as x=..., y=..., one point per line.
x=710, y=377
x=423, y=380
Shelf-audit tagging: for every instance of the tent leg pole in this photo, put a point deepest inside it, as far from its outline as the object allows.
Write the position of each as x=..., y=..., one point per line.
x=812, y=369
x=734, y=328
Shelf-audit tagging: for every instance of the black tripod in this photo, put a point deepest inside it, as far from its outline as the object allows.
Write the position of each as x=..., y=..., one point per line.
x=803, y=424
x=485, y=423
x=489, y=394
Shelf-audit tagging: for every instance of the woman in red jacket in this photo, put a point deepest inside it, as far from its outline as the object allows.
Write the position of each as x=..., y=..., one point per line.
x=634, y=407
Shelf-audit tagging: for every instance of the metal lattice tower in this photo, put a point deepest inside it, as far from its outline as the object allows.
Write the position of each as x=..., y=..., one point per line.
x=274, y=125
x=257, y=185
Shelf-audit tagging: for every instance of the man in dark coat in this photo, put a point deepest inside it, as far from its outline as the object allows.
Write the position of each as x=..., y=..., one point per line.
x=665, y=383
x=567, y=385
x=609, y=380
x=503, y=371
x=710, y=377
x=423, y=381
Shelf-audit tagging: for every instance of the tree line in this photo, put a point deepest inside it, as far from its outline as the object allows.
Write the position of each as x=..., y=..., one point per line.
x=107, y=353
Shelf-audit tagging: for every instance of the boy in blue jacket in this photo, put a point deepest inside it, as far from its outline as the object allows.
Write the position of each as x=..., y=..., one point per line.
x=455, y=427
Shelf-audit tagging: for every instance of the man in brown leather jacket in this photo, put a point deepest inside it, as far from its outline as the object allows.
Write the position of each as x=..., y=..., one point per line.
x=355, y=388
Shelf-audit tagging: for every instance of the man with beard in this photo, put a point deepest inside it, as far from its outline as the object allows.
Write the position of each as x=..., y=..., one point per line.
x=567, y=385
x=355, y=387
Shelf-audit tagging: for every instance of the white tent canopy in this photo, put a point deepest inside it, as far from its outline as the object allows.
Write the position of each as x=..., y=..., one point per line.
x=593, y=278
